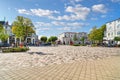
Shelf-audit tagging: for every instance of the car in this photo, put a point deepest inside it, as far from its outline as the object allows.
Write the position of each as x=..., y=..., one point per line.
x=46, y=44
x=4, y=45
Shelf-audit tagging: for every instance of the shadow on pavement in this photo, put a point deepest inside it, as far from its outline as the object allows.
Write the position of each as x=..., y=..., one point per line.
x=39, y=53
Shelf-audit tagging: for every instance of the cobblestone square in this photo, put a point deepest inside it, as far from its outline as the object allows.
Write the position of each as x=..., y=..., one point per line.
x=61, y=63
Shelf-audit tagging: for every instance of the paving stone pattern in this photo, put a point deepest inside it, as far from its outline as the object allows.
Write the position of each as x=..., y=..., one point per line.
x=107, y=68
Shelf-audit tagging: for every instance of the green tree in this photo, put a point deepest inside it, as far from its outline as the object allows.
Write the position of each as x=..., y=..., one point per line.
x=22, y=27
x=49, y=40
x=43, y=38
x=96, y=35
x=53, y=38
x=91, y=35
x=82, y=39
x=3, y=35
x=117, y=39
x=75, y=37
x=103, y=29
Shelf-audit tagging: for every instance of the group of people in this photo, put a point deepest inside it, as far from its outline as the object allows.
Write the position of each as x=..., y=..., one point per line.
x=18, y=44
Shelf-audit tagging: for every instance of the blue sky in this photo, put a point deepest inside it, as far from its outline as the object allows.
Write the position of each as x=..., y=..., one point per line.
x=52, y=17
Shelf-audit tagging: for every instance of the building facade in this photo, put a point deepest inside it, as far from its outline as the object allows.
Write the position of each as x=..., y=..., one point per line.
x=112, y=31
x=8, y=30
x=12, y=39
x=68, y=37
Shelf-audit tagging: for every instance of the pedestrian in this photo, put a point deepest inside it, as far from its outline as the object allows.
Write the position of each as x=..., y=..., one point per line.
x=13, y=45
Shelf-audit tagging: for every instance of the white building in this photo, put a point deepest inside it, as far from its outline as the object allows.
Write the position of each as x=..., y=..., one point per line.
x=68, y=37
x=7, y=28
x=12, y=39
x=32, y=39
x=112, y=31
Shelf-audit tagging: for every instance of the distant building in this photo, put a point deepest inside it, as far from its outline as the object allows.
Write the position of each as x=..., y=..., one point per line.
x=68, y=37
x=112, y=31
x=31, y=39
x=8, y=30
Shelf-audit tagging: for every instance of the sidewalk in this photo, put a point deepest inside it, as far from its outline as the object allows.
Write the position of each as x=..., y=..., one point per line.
x=102, y=69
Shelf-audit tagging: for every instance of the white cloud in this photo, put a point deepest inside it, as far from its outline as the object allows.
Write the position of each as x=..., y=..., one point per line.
x=42, y=26
x=99, y=8
x=38, y=12
x=65, y=28
x=41, y=12
x=24, y=11
x=69, y=24
x=77, y=12
x=58, y=23
x=64, y=17
x=115, y=0
x=43, y=29
x=73, y=2
x=78, y=0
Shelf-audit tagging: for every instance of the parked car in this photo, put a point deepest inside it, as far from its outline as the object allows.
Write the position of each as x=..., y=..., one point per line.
x=45, y=44
x=4, y=45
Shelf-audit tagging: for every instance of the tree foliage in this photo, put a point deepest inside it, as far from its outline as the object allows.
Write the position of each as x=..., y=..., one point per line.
x=1, y=29
x=117, y=39
x=92, y=34
x=43, y=38
x=102, y=29
x=49, y=40
x=22, y=27
x=52, y=39
x=75, y=37
x=3, y=35
x=97, y=34
x=82, y=39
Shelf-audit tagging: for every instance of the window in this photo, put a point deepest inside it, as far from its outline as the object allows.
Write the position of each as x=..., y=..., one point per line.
x=65, y=35
x=109, y=28
x=112, y=34
x=118, y=33
x=118, y=26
